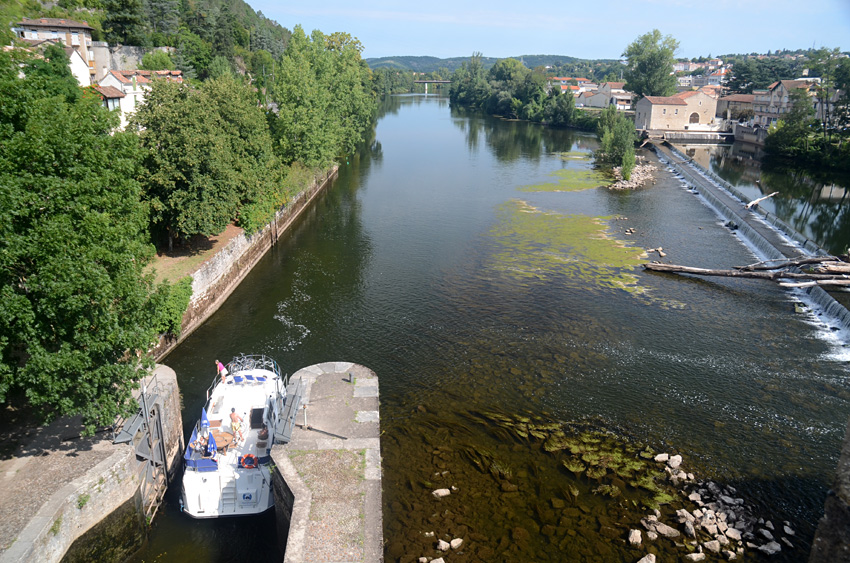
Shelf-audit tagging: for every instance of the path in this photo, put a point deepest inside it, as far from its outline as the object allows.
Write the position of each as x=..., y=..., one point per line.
x=333, y=464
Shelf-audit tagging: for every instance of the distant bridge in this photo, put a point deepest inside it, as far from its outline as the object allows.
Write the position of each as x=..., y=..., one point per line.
x=426, y=82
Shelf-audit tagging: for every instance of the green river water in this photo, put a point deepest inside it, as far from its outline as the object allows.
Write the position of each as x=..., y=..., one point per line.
x=524, y=356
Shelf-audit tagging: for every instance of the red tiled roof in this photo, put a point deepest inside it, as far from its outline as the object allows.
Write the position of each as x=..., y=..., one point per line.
x=53, y=22
x=109, y=91
x=616, y=84
x=666, y=100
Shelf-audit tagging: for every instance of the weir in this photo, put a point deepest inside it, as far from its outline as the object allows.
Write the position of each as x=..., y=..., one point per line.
x=771, y=237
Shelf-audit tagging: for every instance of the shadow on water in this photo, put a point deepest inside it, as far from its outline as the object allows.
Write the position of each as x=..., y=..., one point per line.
x=814, y=202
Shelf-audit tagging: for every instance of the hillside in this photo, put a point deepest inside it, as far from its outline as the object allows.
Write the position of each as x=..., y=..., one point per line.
x=433, y=64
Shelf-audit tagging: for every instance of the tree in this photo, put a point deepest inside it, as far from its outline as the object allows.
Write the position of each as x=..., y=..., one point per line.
x=469, y=84
x=219, y=67
x=790, y=135
x=124, y=21
x=560, y=109
x=188, y=183
x=163, y=15
x=207, y=153
x=157, y=60
x=323, y=97
x=617, y=141
x=77, y=312
x=649, y=66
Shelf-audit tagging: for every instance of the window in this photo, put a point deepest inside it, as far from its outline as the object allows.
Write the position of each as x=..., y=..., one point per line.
x=677, y=111
x=664, y=111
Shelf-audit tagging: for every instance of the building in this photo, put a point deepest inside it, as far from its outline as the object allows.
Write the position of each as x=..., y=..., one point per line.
x=68, y=33
x=133, y=84
x=736, y=106
x=686, y=111
x=717, y=78
x=771, y=103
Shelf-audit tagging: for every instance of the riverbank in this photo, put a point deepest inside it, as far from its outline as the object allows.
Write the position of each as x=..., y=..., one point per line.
x=218, y=267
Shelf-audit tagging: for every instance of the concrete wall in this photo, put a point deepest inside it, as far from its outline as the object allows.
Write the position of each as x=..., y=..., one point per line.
x=75, y=508
x=94, y=495
x=292, y=501
x=216, y=279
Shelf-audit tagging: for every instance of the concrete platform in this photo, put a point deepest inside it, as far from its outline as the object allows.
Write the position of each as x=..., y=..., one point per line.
x=328, y=478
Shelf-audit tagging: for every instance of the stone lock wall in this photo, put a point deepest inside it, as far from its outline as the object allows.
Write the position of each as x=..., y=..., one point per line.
x=216, y=279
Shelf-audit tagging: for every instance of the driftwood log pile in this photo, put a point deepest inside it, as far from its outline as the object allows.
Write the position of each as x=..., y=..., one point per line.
x=800, y=272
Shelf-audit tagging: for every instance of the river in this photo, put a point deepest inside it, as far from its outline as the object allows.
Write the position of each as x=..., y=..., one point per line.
x=473, y=264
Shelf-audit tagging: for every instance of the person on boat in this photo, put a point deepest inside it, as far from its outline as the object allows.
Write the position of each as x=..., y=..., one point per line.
x=236, y=424
x=222, y=371
x=200, y=444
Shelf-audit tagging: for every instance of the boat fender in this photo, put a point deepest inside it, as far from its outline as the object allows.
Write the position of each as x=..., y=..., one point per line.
x=249, y=461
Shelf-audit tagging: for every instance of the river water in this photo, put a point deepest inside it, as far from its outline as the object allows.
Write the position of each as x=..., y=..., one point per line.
x=814, y=203
x=473, y=264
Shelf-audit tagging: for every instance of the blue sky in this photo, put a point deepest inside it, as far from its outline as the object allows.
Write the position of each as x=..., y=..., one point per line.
x=598, y=29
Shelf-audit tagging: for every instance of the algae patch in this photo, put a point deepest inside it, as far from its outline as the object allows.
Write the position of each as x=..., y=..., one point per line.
x=571, y=180
x=534, y=244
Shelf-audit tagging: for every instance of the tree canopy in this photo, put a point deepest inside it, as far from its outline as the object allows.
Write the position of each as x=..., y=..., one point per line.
x=324, y=97
x=77, y=311
x=649, y=65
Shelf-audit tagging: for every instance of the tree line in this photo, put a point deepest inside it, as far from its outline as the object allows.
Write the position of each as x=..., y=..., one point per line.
x=510, y=89
x=86, y=205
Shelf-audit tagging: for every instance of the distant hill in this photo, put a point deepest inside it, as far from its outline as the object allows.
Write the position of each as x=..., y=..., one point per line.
x=432, y=64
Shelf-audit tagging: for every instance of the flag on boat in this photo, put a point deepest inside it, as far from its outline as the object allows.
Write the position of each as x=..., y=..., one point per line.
x=205, y=421
x=211, y=447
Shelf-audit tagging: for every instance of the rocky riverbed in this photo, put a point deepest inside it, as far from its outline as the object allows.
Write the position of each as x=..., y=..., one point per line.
x=606, y=499
x=641, y=174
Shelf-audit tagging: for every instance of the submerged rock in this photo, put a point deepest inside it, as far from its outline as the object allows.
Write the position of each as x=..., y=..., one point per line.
x=440, y=493
x=635, y=537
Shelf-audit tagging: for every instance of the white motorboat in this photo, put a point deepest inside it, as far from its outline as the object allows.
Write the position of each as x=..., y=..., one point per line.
x=226, y=475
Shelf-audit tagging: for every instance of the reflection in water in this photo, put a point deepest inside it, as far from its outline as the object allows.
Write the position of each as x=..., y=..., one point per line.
x=497, y=316
x=813, y=202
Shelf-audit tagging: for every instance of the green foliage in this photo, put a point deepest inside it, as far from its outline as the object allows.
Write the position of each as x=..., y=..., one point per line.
x=791, y=136
x=157, y=60
x=75, y=306
x=83, y=500
x=510, y=89
x=391, y=81
x=750, y=74
x=124, y=21
x=617, y=141
x=219, y=67
x=324, y=98
x=170, y=303
x=650, y=60
x=207, y=151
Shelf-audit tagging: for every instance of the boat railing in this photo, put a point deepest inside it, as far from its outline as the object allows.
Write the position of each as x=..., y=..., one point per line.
x=247, y=362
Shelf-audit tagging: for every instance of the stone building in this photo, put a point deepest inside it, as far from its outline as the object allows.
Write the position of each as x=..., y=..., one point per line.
x=686, y=111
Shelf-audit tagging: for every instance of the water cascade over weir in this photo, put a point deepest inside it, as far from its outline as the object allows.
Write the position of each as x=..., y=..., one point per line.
x=698, y=178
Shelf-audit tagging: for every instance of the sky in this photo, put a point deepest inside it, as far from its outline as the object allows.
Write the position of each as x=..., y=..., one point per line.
x=586, y=29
